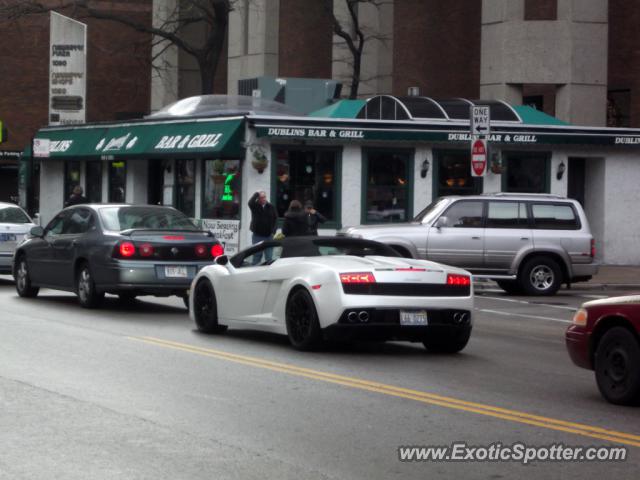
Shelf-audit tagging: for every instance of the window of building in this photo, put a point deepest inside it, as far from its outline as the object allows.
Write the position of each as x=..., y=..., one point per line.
x=117, y=181
x=452, y=174
x=94, y=181
x=186, y=187
x=307, y=174
x=221, y=189
x=618, y=108
x=507, y=215
x=526, y=172
x=540, y=10
x=550, y=216
x=387, y=186
x=71, y=177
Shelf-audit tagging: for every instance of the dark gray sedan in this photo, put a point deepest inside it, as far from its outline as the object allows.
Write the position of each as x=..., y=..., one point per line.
x=128, y=250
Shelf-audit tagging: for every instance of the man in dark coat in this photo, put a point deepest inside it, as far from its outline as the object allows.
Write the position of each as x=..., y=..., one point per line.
x=76, y=197
x=295, y=220
x=264, y=218
x=313, y=218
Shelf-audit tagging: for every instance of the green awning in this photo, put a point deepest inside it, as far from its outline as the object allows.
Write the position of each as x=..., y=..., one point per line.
x=214, y=138
x=340, y=109
x=531, y=116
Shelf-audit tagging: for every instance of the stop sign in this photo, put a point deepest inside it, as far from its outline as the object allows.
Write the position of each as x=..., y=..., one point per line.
x=478, y=158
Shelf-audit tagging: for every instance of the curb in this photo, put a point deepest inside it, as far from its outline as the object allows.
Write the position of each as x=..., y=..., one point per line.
x=489, y=285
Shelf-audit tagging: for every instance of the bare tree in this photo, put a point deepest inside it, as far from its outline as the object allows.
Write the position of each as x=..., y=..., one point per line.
x=354, y=35
x=211, y=16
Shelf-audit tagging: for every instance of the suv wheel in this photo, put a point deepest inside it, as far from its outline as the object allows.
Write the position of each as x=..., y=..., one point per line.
x=540, y=276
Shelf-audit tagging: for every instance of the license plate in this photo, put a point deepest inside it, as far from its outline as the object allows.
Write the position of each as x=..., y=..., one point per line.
x=7, y=237
x=413, y=317
x=175, y=272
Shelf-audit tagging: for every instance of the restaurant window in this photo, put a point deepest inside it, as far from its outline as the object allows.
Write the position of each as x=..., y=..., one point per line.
x=540, y=10
x=117, y=181
x=221, y=189
x=307, y=174
x=94, y=182
x=452, y=174
x=71, y=177
x=186, y=187
x=526, y=172
x=387, y=186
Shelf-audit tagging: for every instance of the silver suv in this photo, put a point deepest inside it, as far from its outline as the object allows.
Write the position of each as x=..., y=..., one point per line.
x=528, y=243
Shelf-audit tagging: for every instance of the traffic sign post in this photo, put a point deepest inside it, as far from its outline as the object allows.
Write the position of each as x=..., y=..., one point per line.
x=479, y=154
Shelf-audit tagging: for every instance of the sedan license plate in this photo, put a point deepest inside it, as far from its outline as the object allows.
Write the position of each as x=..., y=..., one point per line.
x=175, y=272
x=7, y=237
x=413, y=317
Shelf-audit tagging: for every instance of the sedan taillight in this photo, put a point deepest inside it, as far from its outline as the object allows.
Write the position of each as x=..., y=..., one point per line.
x=146, y=250
x=357, y=277
x=217, y=250
x=593, y=248
x=458, y=280
x=127, y=249
x=201, y=251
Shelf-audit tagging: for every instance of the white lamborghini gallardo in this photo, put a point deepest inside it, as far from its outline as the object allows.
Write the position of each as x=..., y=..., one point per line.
x=316, y=288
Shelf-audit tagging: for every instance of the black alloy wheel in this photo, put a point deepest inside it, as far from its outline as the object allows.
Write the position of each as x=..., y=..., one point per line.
x=88, y=296
x=303, y=327
x=23, y=279
x=450, y=341
x=617, y=366
x=205, y=308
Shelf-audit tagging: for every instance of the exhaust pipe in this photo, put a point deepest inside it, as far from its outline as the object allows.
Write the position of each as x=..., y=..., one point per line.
x=352, y=316
x=363, y=316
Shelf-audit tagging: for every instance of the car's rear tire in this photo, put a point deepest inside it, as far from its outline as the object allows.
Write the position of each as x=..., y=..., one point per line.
x=88, y=296
x=23, y=279
x=303, y=326
x=205, y=308
x=540, y=276
x=511, y=287
x=451, y=341
x=617, y=366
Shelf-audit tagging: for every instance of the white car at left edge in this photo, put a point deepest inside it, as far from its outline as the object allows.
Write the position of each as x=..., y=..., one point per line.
x=14, y=225
x=317, y=288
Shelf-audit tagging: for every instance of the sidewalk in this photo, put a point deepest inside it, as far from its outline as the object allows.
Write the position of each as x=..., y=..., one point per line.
x=609, y=277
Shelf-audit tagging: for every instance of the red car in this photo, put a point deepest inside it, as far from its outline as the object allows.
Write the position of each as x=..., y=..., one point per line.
x=605, y=337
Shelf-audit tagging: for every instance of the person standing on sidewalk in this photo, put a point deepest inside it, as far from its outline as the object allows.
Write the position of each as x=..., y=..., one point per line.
x=313, y=218
x=264, y=218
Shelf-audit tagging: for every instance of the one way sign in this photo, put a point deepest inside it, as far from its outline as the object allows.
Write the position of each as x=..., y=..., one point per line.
x=480, y=120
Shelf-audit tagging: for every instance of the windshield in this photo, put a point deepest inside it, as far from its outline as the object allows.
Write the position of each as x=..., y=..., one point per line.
x=153, y=218
x=13, y=215
x=431, y=208
x=356, y=248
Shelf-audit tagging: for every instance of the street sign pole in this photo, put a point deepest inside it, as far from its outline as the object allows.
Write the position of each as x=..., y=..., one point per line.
x=480, y=128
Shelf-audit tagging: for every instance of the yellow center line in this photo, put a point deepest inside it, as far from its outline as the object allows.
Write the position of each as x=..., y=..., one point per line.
x=415, y=395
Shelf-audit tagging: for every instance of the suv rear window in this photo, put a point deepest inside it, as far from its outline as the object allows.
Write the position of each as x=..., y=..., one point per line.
x=549, y=216
x=507, y=215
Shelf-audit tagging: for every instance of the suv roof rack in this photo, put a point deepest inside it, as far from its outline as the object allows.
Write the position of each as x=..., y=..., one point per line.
x=532, y=195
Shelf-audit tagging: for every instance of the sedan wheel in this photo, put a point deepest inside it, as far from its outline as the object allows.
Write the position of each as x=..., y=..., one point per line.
x=617, y=366
x=23, y=280
x=88, y=297
x=303, y=326
x=205, y=308
x=541, y=276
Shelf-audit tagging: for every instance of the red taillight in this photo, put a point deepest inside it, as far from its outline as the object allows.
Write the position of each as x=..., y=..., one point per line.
x=357, y=277
x=593, y=248
x=458, y=280
x=201, y=250
x=127, y=249
x=145, y=250
x=217, y=250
